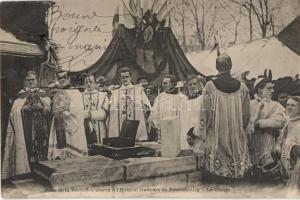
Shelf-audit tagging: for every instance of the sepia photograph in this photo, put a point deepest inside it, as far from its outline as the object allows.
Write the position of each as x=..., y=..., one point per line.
x=150, y=99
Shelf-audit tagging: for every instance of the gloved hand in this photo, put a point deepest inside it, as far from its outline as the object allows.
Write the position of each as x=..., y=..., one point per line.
x=296, y=151
x=191, y=137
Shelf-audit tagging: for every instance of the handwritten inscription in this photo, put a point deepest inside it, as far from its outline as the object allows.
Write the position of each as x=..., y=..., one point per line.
x=76, y=29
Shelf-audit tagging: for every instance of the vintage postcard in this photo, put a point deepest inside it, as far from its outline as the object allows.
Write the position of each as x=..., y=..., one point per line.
x=150, y=99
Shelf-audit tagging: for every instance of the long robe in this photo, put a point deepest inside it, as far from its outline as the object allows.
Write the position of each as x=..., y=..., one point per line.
x=271, y=119
x=97, y=103
x=226, y=152
x=75, y=139
x=191, y=111
x=128, y=103
x=168, y=106
x=27, y=134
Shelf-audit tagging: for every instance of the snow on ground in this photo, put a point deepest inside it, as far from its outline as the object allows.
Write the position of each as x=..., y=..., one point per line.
x=255, y=56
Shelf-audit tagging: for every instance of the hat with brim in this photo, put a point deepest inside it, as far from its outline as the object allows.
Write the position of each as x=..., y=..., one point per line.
x=259, y=80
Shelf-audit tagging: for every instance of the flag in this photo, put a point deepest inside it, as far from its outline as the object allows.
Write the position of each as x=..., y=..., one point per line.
x=139, y=9
x=126, y=16
x=133, y=7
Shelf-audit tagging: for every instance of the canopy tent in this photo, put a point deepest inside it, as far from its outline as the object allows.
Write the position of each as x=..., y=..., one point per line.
x=255, y=57
x=144, y=42
x=10, y=45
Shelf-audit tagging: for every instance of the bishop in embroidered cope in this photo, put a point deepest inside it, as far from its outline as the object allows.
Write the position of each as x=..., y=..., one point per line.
x=27, y=133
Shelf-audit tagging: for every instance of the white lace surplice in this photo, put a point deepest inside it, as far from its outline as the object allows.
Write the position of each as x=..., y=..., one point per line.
x=97, y=103
x=191, y=110
x=76, y=144
x=227, y=151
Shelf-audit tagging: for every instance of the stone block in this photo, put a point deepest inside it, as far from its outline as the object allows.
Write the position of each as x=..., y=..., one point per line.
x=80, y=172
x=174, y=181
x=150, y=186
x=155, y=167
x=194, y=179
x=108, y=174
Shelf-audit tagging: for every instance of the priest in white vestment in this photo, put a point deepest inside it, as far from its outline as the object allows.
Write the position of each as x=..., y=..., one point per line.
x=129, y=102
x=193, y=115
x=288, y=143
x=95, y=106
x=226, y=150
x=27, y=131
x=67, y=135
x=167, y=105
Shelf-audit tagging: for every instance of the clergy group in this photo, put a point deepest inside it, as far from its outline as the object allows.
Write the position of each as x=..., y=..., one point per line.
x=214, y=118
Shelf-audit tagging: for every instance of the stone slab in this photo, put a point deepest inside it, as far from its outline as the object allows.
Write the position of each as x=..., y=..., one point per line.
x=80, y=171
x=158, y=166
x=150, y=186
x=194, y=179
